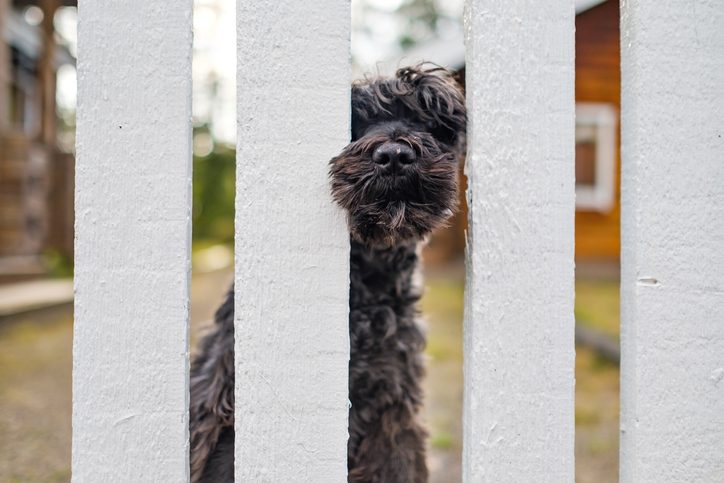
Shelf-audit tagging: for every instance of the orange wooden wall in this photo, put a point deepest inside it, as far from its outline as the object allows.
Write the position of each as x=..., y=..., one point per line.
x=598, y=79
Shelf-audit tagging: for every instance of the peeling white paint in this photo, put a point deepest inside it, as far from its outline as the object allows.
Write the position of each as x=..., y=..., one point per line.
x=672, y=231
x=519, y=328
x=292, y=247
x=133, y=207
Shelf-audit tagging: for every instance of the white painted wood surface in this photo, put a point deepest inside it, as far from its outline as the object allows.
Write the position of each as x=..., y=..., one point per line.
x=672, y=283
x=133, y=207
x=5, y=65
x=292, y=249
x=519, y=328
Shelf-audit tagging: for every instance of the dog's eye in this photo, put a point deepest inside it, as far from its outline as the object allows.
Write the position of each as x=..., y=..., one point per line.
x=430, y=125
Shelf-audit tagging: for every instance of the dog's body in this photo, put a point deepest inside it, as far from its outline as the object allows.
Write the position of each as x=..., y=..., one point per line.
x=397, y=180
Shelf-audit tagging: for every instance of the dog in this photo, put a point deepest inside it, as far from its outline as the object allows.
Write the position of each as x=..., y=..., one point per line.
x=397, y=181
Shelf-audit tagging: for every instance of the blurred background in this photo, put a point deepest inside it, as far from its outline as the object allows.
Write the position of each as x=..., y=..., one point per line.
x=37, y=125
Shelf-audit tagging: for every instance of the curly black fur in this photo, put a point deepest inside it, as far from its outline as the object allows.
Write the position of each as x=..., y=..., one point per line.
x=397, y=181
x=211, y=411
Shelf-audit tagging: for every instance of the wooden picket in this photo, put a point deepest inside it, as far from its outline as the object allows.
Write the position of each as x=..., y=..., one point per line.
x=292, y=247
x=133, y=208
x=672, y=258
x=518, y=405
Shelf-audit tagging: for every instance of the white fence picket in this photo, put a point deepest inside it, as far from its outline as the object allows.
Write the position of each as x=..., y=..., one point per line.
x=5, y=67
x=292, y=248
x=133, y=206
x=672, y=259
x=519, y=329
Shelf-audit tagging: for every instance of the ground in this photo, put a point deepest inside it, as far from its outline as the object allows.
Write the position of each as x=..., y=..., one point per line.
x=597, y=381
x=35, y=398
x=35, y=382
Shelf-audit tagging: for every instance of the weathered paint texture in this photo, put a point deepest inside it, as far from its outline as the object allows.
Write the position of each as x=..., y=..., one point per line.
x=133, y=207
x=292, y=248
x=5, y=64
x=672, y=274
x=519, y=327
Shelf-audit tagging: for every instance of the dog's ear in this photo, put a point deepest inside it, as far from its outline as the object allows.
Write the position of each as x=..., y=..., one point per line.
x=362, y=109
x=438, y=99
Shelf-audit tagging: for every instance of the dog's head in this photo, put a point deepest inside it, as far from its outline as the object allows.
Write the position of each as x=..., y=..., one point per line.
x=397, y=179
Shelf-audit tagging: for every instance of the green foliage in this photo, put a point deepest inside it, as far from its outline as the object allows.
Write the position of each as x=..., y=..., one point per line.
x=442, y=440
x=415, y=21
x=420, y=19
x=213, y=192
x=57, y=264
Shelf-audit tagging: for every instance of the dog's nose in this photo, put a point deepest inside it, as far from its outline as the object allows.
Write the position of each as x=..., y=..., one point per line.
x=393, y=153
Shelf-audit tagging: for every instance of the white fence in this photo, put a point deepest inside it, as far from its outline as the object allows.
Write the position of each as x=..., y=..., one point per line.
x=133, y=229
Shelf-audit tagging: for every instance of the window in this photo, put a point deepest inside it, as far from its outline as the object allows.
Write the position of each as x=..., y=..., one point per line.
x=595, y=156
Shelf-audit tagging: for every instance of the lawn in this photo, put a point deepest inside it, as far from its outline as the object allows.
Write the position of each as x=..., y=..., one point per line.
x=35, y=366
x=597, y=305
x=597, y=381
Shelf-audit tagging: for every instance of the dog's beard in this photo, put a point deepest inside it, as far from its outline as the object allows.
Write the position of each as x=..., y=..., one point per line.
x=387, y=208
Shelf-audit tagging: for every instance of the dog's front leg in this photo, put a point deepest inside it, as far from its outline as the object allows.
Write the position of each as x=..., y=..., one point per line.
x=392, y=449
x=386, y=438
x=211, y=411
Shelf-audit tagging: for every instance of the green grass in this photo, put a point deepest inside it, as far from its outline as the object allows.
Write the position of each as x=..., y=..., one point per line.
x=597, y=305
x=597, y=380
x=442, y=440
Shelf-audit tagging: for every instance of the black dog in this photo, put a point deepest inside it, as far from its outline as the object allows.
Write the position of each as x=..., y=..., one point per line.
x=397, y=181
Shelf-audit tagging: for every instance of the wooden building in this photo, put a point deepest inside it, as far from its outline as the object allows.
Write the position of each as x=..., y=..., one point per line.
x=598, y=160
x=36, y=176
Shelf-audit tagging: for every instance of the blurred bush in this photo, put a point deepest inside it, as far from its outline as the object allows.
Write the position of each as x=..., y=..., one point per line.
x=213, y=190
x=58, y=265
